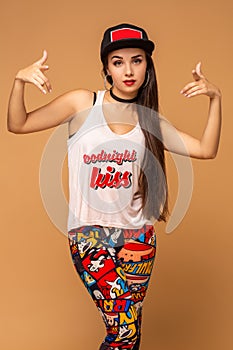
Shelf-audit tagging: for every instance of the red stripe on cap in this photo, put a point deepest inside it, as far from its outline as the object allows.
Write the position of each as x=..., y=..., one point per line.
x=125, y=33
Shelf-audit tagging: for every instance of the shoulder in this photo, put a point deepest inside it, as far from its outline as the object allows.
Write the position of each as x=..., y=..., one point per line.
x=81, y=99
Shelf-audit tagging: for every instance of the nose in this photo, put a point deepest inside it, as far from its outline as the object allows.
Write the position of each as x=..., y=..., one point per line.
x=128, y=70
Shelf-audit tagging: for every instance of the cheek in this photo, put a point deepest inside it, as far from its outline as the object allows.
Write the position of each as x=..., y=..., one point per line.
x=141, y=69
x=143, y=73
x=145, y=68
x=115, y=75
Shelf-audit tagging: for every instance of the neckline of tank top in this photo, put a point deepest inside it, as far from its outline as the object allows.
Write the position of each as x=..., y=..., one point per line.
x=101, y=94
x=99, y=102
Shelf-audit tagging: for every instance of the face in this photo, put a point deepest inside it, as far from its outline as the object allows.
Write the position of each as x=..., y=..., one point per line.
x=127, y=68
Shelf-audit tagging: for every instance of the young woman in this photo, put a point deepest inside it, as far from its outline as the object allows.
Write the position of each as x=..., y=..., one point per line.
x=117, y=175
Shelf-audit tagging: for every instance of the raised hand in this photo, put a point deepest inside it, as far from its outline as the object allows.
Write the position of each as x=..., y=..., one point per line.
x=34, y=74
x=201, y=86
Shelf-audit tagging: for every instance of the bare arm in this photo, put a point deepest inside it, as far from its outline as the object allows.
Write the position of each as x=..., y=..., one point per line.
x=60, y=110
x=179, y=142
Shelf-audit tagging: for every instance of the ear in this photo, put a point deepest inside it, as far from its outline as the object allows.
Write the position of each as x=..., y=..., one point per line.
x=107, y=70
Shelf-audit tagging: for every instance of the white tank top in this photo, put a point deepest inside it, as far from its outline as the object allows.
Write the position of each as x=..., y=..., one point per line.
x=103, y=173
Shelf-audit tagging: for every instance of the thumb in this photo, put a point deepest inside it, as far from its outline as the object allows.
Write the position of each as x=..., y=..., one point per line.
x=197, y=73
x=43, y=58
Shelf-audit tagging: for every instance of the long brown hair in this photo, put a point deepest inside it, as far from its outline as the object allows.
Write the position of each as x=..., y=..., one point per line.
x=152, y=182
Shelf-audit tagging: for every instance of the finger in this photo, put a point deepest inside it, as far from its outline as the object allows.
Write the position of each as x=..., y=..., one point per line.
x=35, y=82
x=44, y=57
x=188, y=86
x=45, y=67
x=195, y=75
x=38, y=78
x=48, y=85
x=198, y=71
x=42, y=83
x=45, y=80
x=198, y=92
x=193, y=89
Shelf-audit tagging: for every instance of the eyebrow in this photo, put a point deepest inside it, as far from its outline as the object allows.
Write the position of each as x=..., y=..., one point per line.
x=122, y=57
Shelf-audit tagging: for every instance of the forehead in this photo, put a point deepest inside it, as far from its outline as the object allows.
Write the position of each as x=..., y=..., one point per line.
x=127, y=52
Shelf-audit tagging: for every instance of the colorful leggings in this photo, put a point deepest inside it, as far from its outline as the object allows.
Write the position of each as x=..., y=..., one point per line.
x=115, y=266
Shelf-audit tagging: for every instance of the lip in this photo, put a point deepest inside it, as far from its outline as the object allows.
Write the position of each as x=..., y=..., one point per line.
x=129, y=82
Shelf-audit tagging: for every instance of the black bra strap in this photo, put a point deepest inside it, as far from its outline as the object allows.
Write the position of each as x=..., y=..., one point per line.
x=94, y=99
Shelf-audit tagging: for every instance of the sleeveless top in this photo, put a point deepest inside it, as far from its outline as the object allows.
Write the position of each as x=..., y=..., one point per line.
x=103, y=173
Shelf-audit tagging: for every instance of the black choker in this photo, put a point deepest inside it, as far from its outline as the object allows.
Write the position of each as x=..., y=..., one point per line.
x=131, y=100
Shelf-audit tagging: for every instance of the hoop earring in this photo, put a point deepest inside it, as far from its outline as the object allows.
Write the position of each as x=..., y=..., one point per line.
x=147, y=80
x=105, y=82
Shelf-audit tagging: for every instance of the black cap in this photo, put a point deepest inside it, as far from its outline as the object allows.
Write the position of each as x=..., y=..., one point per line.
x=125, y=35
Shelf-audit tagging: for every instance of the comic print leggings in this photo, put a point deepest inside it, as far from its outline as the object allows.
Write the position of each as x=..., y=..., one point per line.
x=115, y=266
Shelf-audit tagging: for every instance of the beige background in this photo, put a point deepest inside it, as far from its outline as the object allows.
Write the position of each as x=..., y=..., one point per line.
x=43, y=303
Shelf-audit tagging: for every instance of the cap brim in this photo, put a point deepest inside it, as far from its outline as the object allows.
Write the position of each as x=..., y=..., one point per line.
x=146, y=45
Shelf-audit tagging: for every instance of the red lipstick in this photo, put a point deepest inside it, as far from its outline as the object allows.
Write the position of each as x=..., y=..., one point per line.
x=129, y=82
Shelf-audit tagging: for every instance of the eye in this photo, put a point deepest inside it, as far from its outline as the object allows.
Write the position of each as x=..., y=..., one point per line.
x=137, y=60
x=117, y=63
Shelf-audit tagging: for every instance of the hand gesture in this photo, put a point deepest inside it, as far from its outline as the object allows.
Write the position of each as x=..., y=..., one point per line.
x=34, y=74
x=201, y=86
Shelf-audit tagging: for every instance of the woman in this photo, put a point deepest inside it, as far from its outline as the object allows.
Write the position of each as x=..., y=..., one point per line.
x=117, y=175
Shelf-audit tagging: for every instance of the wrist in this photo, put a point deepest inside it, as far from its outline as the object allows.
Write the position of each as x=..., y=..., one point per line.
x=18, y=77
x=217, y=95
x=18, y=81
